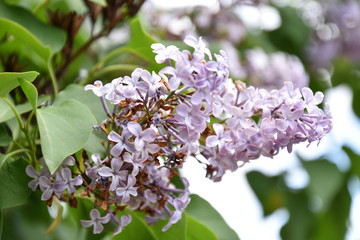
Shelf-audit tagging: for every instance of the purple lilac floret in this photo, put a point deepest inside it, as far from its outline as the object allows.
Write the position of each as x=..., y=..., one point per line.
x=161, y=119
x=96, y=221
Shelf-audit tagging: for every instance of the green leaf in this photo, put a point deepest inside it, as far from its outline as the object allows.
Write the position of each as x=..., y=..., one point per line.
x=198, y=231
x=325, y=180
x=14, y=128
x=177, y=231
x=9, y=80
x=5, y=139
x=355, y=161
x=203, y=212
x=13, y=188
x=301, y=218
x=64, y=129
x=140, y=41
x=267, y=190
x=346, y=72
x=6, y=113
x=137, y=229
x=87, y=98
x=333, y=224
x=188, y=228
x=1, y=222
x=67, y=6
x=30, y=92
x=46, y=34
x=32, y=219
x=27, y=43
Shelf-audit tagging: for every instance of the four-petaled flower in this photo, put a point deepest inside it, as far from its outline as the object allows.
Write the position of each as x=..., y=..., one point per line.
x=121, y=142
x=115, y=172
x=49, y=188
x=128, y=190
x=141, y=137
x=68, y=182
x=96, y=221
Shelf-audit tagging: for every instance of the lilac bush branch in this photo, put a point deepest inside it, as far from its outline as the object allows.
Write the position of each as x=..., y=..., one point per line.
x=162, y=119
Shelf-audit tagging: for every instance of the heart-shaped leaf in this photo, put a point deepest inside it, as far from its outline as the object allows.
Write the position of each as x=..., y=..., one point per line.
x=201, y=210
x=9, y=80
x=64, y=129
x=13, y=188
x=30, y=91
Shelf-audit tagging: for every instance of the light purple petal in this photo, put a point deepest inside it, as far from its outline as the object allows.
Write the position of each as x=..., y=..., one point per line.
x=113, y=136
x=94, y=214
x=136, y=74
x=212, y=141
x=116, y=164
x=132, y=191
x=134, y=128
x=148, y=135
x=98, y=228
x=131, y=181
x=218, y=128
x=318, y=98
x=174, y=83
x=66, y=173
x=105, y=172
x=105, y=219
x=47, y=194
x=146, y=76
x=114, y=183
x=86, y=223
x=128, y=157
x=139, y=144
x=125, y=220
x=196, y=97
x=33, y=184
x=77, y=181
x=70, y=161
x=153, y=148
x=117, y=149
x=307, y=93
x=96, y=158
x=31, y=172
x=44, y=182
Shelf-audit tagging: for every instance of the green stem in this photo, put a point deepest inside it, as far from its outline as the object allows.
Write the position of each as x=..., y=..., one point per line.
x=11, y=146
x=115, y=68
x=9, y=155
x=32, y=147
x=116, y=52
x=53, y=78
x=14, y=111
x=24, y=129
x=170, y=95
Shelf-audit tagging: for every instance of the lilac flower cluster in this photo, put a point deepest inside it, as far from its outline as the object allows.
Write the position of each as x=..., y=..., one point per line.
x=160, y=120
x=57, y=183
x=271, y=71
x=337, y=32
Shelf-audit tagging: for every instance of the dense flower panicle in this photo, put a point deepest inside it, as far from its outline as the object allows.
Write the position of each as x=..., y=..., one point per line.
x=342, y=19
x=161, y=119
x=273, y=70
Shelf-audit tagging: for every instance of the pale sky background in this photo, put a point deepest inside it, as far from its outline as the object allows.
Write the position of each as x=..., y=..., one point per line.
x=233, y=197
